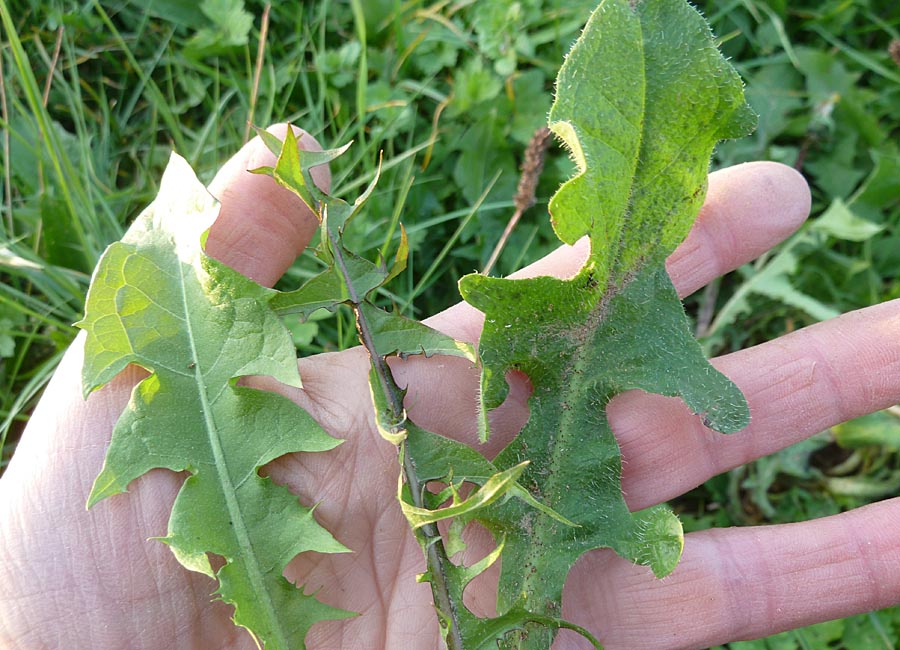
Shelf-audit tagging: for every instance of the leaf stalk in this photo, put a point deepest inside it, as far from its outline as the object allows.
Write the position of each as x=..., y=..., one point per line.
x=435, y=554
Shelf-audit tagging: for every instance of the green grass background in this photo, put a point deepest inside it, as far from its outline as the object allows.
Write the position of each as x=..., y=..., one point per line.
x=94, y=95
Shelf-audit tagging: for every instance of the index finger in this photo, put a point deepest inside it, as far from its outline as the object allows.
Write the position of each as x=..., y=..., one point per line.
x=748, y=209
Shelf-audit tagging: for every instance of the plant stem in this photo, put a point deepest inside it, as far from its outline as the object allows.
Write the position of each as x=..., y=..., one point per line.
x=435, y=554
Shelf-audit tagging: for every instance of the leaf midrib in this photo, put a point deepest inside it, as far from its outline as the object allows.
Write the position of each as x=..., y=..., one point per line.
x=615, y=253
x=579, y=376
x=241, y=533
x=562, y=421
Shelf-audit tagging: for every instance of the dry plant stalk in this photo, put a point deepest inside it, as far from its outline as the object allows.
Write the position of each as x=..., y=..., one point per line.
x=894, y=51
x=532, y=167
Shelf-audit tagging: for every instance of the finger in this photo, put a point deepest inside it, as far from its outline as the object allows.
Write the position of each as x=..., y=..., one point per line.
x=796, y=386
x=742, y=583
x=749, y=208
x=261, y=227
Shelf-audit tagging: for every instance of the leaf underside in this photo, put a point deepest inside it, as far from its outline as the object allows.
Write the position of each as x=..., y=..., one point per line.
x=641, y=100
x=156, y=300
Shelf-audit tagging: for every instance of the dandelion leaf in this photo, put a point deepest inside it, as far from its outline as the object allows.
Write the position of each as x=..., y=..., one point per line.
x=197, y=326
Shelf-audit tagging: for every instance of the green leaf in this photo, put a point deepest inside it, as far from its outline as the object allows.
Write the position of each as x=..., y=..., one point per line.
x=292, y=167
x=881, y=428
x=328, y=289
x=634, y=108
x=397, y=335
x=840, y=222
x=230, y=27
x=492, y=489
x=400, y=258
x=7, y=341
x=158, y=301
x=641, y=101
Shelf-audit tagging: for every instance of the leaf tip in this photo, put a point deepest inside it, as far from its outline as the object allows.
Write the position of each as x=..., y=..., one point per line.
x=104, y=486
x=660, y=540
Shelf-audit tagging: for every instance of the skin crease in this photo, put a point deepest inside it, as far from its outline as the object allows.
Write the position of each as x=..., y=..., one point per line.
x=91, y=579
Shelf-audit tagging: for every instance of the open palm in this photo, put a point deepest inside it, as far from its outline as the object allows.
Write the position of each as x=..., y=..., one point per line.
x=78, y=579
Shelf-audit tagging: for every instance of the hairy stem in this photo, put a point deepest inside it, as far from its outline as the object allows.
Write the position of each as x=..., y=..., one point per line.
x=435, y=554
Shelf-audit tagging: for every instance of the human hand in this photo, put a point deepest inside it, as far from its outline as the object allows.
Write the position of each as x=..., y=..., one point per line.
x=79, y=579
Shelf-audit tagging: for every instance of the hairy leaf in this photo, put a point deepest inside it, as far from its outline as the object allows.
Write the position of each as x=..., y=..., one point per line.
x=641, y=100
x=197, y=326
